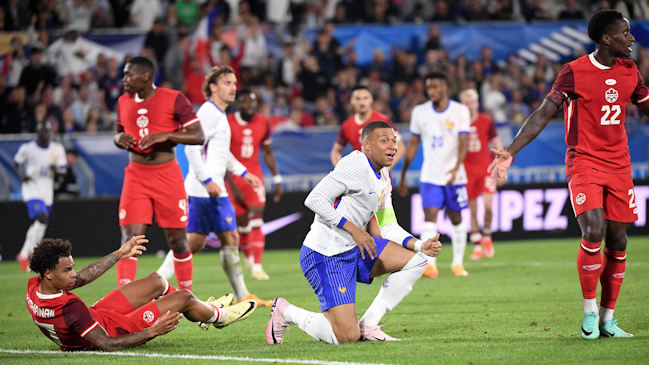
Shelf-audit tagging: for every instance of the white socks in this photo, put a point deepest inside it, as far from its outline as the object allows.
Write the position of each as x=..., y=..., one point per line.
x=459, y=244
x=590, y=305
x=232, y=266
x=429, y=231
x=167, y=270
x=315, y=325
x=33, y=237
x=605, y=314
x=395, y=288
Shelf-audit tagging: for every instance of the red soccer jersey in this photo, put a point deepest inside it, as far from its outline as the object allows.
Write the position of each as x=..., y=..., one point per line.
x=478, y=157
x=352, y=129
x=594, y=110
x=167, y=111
x=62, y=317
x=247, y=139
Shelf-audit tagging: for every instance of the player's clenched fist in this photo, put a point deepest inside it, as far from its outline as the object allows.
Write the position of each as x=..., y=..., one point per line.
x=432, y=246
x=133, y=247
x=165, y=324
x=123, y=140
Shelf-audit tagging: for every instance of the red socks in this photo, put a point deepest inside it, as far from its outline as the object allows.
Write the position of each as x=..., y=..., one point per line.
x=257, y=242
x=244, y=245
x=614, y=266
x=170, y=289
x=184, y=267
x=589, y=264
x=126, y=270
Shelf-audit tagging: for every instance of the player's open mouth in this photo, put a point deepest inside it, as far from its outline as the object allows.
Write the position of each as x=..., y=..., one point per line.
x=391, y=155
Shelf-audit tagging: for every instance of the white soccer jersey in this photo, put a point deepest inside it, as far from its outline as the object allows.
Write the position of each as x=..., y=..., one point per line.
x=353, y=192
x=37, y=162
x=210, y=161
x=439, y=132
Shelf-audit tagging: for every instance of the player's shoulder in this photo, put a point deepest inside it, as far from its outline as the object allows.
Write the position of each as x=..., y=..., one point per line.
x=168, y=93
x=457, y=107
x=232, y=118
x=349, y=121
x=259, y=121
x=379, y=116
x=485, y=118
x=427, y=106
x=125, y=98
x=352, y=159
x=209, y=108
x=627, y=63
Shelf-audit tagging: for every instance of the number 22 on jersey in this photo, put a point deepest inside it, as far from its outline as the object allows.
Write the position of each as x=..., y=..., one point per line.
x=612, y=111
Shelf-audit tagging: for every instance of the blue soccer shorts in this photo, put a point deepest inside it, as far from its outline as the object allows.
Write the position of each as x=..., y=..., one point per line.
x=451, y=197
x=207, y=215
x=37, y=207
x=333, y=278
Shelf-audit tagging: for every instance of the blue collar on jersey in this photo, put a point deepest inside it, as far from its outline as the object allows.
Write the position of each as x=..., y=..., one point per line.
x=378, y=176
x=441, y=111
x=216, y=106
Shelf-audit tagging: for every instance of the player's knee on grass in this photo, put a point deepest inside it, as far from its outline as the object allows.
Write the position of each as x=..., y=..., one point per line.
x=348, y=336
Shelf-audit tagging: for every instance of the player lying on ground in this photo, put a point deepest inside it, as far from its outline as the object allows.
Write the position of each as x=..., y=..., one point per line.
x=338, y=252
x=126, y=317
x=594, y=91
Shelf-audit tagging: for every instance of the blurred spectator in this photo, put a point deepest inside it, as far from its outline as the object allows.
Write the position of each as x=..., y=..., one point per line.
x=254, y=50
x=306, y=119
x=144, y=12
x=493, y=99
x=354, y=10
x=314, y=16
x=111, y=88
x=65, y=185
x=405, y=67
x=443, y=12
x=158, y=40
x=632, y=9
x=503, y=10
x=375, y=84
x=517, y=111
x=340, y=15
x=324, y=113
x=36, y=76
x=94, y=121
x=175, y=61
x=487, y=60
x=537, y=11
x=79, y=14
x=382, y=13
x=571, y=11
x=278, y=12
x=187, y=11
x=64, y=94
x=417, y=15
x=18, y=117
x=289, y=64
x=216, y=44
x=266, y=90
x=474, y=11
x=121, y=12
x=326, y=53
x=14, y=62
x=194, y=78
x=52, y=110
x=280, y=107
x=380, y=65
x=70, y=54
x=315, y=82
x=82, y=104
x=542, y=70
x=69, y=124
x=434, y=39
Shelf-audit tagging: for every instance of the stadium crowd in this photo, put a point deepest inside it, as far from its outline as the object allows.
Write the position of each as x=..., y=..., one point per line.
x=308, y=85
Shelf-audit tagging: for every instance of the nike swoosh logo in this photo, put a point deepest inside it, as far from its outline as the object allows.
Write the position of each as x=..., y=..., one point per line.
x=252, y=306
x=586, y=332
x=592, y=267
x=372, y=192
x=267, y=228
x=608, y=333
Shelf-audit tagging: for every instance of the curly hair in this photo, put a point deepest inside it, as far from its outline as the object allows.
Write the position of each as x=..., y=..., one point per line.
x=47, y=254
x=602, y=22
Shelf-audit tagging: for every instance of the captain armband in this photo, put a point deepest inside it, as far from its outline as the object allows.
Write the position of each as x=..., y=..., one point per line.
x=385, y=217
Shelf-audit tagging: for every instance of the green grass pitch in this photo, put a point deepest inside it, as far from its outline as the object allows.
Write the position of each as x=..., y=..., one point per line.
x=523, y=306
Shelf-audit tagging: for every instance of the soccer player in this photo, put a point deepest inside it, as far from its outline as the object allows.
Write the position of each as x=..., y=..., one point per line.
x=337, y=252
x=442, y=126
x=41, y=160
x=594, y=91
x=210, y=209
x=478, y=157
x=352, y=129
x=150, y=122
x=127, y=317
x=250, y=134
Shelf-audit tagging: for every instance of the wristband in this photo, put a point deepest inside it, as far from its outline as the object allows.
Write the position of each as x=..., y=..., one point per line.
x=277, y=179
x=244, y=173
x=209, y=180
x=418, y=244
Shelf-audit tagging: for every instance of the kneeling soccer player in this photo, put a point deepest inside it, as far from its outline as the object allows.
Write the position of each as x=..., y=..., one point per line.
x=337, y=252
x=126, y=317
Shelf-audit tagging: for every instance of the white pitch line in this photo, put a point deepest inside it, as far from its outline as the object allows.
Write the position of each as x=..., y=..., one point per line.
x=190, y=357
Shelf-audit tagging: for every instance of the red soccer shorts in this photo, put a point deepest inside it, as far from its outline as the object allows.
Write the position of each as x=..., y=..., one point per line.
x=591, y=189
x=253, y=197
x=480, y=184
x=149, y=188
x=118, y=317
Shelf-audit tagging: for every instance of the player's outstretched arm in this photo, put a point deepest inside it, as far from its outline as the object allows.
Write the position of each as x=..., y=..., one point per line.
x=91, y=272
x=411, y=152
x=193, y=135
x=530, y=130
x=165, y=324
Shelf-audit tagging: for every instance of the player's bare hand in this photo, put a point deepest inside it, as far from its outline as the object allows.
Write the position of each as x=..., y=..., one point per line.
x=432, y=246
x=402, y=189
x=151, y=139
x=125, y=141
x=498, y=167
x=277, y=192
x=134, y=246
x=253, y=180
x=365, y=242
x=213, y=189
x=165, y=324
x=452, y=175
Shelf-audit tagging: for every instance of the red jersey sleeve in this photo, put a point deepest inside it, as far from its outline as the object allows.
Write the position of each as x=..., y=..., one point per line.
x=341, y=139
x=267, y=139
x=78, y=317
x=565, y=81
x=183, y=111
x=491, y=132
x=640, y=94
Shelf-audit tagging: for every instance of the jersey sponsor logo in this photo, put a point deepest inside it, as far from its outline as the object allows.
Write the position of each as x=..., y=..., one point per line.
x=619, y=275
x=148, y=316
x=142, y=111
x=342, y=289
x=610, y=82
x=142, y=121
x=611, y=95
x=581, y=198
x=592, y=267
x=122, y=214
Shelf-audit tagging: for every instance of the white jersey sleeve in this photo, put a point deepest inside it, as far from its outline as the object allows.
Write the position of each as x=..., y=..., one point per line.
x=234, y=166
x=465, y=121
x=21, y=156
x=415, y=128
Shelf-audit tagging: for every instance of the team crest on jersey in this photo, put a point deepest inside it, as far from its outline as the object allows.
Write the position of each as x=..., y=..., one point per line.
x=342, y=289
x=229, y=219
x=122, y=214
x=611, y=95
x=148, y=316
x=581, y=198
x=450, y=124
x=142, y=121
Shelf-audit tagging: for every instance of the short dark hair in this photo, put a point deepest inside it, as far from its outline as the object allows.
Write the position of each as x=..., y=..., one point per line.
x=35, y=50
x=371, y=126
x=47, y=254
x=436, y=75
x=601, y=23
x=242, y=92
x=361, y=87
x=145, y=63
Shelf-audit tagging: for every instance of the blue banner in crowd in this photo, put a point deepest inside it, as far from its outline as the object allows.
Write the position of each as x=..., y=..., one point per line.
x=304, y=153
